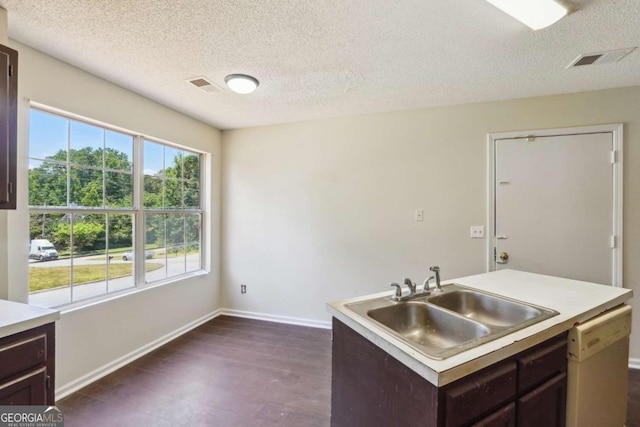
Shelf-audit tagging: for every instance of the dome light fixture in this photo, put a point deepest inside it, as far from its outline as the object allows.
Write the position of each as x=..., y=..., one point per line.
x=536, y=14
x=241, y=83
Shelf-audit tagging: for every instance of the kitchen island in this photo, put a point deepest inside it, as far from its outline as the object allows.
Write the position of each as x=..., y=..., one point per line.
x=410, y=386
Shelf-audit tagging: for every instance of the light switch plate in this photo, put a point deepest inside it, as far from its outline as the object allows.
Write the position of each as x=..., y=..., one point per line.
x=419, y=215
x=477, y=231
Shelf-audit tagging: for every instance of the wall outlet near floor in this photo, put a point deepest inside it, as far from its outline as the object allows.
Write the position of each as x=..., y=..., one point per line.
x=243, y=289
x=477, y=231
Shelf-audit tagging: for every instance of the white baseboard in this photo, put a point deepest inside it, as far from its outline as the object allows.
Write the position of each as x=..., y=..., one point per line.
x=634, y=363
x=105, y=370
x=275, y=318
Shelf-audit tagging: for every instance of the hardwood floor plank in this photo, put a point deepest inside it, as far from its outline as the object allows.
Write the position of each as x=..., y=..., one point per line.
x=227, y=372
x=633, y=401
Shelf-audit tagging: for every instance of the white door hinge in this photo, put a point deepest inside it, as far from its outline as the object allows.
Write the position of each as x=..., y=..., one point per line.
x=614, y=157
x=613, y=242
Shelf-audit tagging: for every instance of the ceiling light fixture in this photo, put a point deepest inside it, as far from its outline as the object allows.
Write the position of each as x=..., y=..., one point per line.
x=536, y=14
x=241, y=83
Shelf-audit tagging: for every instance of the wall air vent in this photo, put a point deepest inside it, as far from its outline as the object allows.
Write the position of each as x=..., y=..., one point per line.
x=608, y=57
x=204, y=84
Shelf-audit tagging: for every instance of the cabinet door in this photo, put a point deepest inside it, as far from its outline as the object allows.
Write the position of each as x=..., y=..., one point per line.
x=8, y=126
x=545, y=405
x=478, y=394
x=23, y=358
x=28, y=389
x=505, y=417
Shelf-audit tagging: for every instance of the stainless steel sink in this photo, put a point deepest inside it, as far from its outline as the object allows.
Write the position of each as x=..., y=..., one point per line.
x=485, y=308
x=443, y=324
x=428, y=326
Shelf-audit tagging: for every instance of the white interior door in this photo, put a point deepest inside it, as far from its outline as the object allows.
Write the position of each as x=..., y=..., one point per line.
x=554, y=206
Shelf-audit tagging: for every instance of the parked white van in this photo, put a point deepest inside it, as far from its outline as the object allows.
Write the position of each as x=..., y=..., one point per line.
x=43, y=250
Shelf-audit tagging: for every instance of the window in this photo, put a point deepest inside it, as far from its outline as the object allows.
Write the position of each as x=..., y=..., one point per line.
x=109, y=210
x=171, y=194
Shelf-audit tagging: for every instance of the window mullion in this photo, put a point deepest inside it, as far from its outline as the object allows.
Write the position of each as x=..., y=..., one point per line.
x=71, y=257
x=138, y=204
x=104, y=169
x=68, y=163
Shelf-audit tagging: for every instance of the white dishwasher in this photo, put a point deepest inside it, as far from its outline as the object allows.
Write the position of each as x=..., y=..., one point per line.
x=598, y=375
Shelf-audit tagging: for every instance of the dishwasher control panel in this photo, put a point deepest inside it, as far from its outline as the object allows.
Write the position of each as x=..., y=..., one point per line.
x=594, y=335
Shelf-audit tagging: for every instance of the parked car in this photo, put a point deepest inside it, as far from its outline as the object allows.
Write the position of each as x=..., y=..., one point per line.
x=128, y=256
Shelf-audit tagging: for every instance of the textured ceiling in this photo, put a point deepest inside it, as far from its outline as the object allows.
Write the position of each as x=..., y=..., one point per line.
x=328, y=58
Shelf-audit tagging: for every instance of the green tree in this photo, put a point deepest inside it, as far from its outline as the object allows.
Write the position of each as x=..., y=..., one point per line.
x=120, y=231
x=42, y=226
x=48, y=185
x=48, y=181
x=85, y=234
x=182, y=181
x=92, y=173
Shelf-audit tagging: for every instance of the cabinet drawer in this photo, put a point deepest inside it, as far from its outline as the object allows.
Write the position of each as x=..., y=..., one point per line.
x=505, y=417
x=542, y=363
x=545, y=405
x=21, y=355
x=480, y=393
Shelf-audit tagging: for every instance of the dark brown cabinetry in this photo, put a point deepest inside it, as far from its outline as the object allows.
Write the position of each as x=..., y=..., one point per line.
x=505, y=417
x=8, y=126
x=371, y=388
x=27, y=367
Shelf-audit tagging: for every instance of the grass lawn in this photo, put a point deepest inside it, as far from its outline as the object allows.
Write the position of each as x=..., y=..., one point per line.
x=42, y=278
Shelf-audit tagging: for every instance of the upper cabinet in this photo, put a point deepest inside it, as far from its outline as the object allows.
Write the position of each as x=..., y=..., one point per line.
x=8, y=126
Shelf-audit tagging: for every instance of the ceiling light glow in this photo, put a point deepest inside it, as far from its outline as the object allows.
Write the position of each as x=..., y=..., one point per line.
x=536, y=14
x=241, y=83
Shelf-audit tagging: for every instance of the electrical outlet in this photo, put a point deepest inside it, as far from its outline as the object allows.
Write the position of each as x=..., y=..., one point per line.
x=243, y=289
x=477, y=231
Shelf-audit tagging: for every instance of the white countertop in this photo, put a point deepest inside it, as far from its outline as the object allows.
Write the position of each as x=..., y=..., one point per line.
x=17, y=317
x=576, y=302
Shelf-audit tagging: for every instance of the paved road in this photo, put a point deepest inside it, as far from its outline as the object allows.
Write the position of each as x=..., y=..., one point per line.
x=77, y=260
x=170, y=267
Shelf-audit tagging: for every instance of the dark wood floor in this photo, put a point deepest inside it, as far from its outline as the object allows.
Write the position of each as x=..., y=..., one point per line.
x=229, y=372
x=633, y=402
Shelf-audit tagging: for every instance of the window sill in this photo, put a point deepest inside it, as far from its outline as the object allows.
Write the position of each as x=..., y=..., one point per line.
x=90, y=302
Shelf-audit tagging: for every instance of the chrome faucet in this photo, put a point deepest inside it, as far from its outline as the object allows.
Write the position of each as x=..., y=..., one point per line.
x=398, y=294
x=410, y=285
x=436, y=270
x=425, y=285
x=412, y=293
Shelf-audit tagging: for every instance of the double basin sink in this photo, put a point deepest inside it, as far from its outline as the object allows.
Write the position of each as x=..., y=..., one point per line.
x=449, y=322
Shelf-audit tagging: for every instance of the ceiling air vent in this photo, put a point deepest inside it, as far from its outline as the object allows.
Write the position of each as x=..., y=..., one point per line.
x=607, y=57
x=204, y=84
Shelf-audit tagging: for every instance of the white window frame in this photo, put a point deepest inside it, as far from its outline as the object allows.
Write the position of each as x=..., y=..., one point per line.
x=137, y=210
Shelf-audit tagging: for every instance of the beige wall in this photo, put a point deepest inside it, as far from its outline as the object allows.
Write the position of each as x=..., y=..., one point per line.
x=323, y=210
x=95, y=336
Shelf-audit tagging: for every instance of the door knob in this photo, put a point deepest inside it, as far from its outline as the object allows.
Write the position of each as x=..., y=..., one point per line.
x=503, y=258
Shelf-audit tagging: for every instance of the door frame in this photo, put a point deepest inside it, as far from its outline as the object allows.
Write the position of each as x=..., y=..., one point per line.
x=616, y=131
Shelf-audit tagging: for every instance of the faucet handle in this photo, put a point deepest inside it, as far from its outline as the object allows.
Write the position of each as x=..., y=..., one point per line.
x=398, y=293
x=425, y=285
x=435, y=269
x=410, y=285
